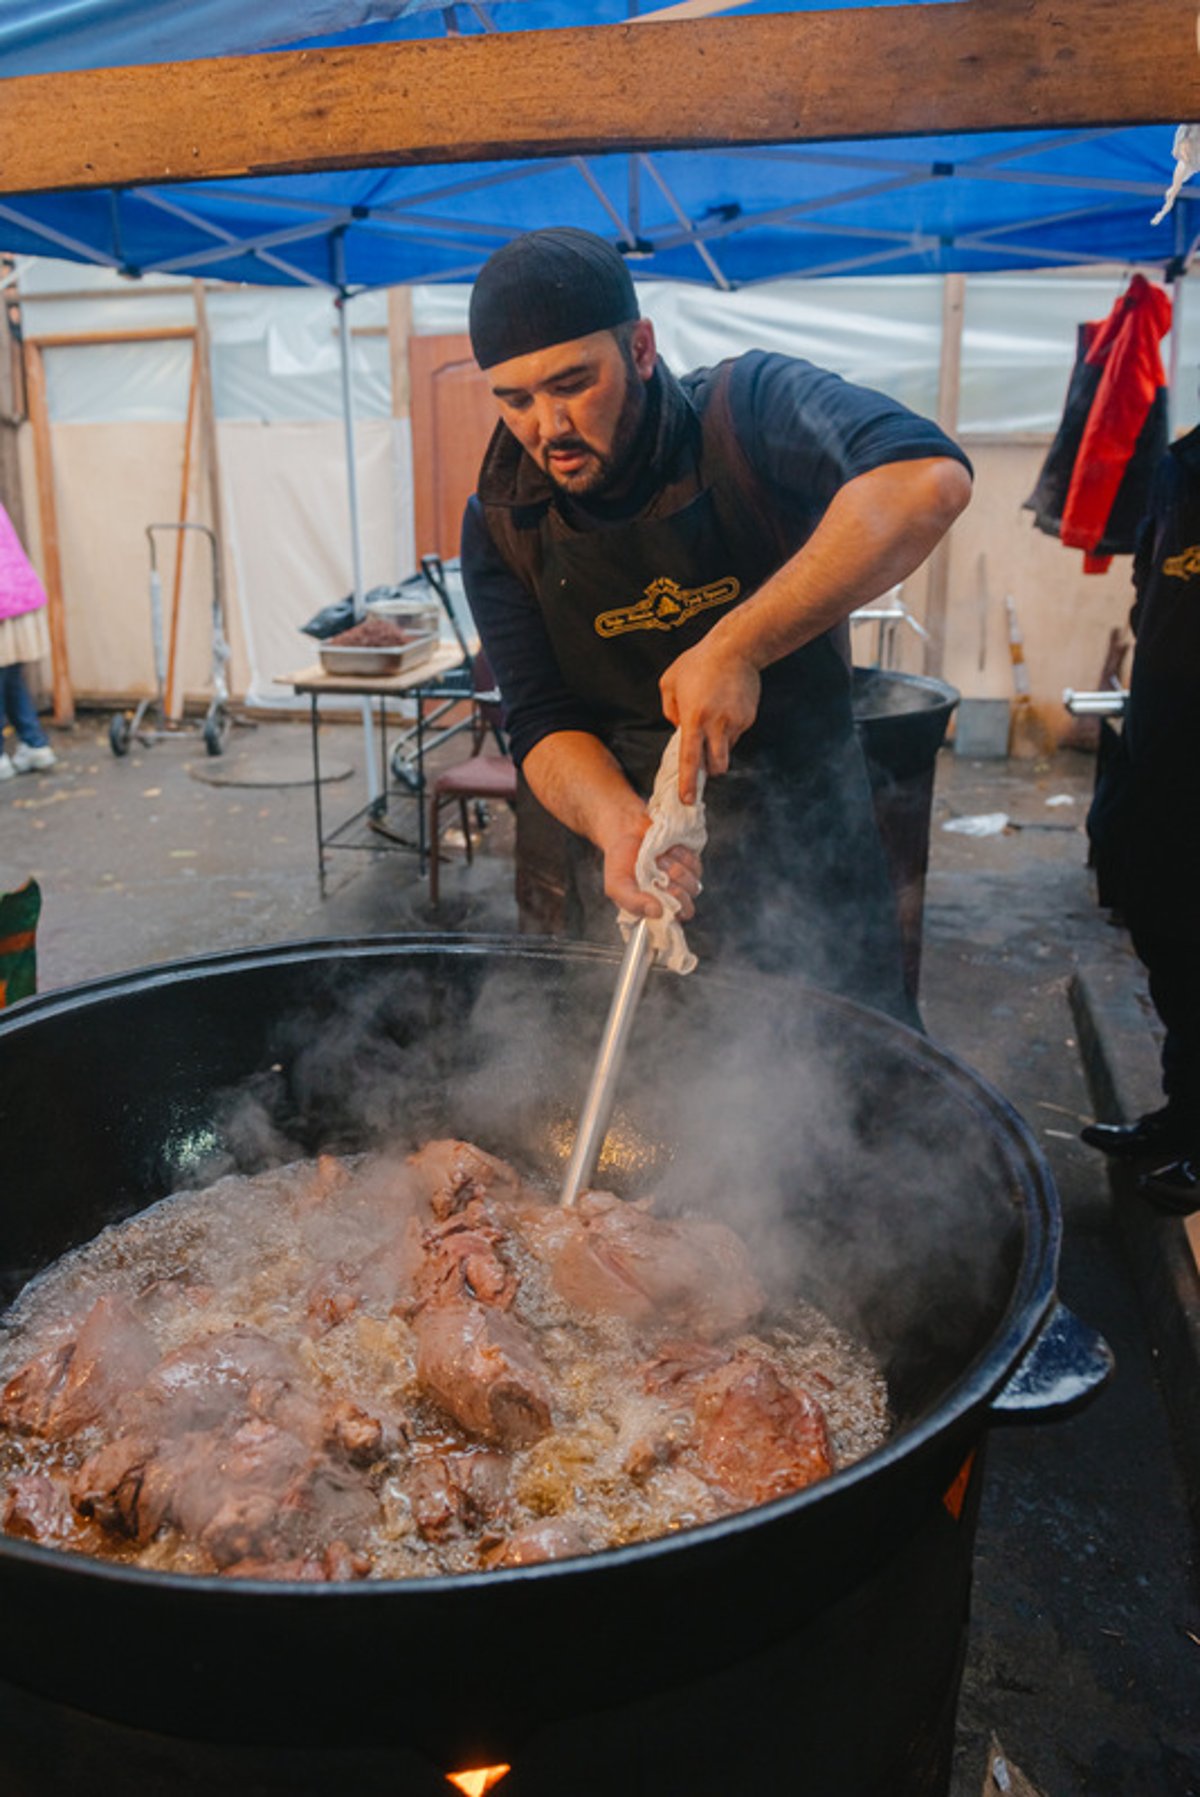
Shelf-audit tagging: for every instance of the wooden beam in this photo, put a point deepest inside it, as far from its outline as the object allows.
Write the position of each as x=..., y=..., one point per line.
x=89, y=339
x=982, y=65
x=43, y=459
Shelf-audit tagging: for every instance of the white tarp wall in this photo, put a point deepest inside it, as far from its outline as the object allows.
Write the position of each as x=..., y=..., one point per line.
x=118, y=410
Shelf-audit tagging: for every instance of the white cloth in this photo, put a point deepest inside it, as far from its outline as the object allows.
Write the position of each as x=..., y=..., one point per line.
x=1186, y=151
x=672, y=825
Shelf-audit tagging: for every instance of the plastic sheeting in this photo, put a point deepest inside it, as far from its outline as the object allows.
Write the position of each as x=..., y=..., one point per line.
x=275, y=352
x=289, y=559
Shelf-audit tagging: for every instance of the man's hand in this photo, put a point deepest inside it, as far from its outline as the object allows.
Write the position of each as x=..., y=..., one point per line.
x=578, y=780
x=681, y=866
x=711, y=694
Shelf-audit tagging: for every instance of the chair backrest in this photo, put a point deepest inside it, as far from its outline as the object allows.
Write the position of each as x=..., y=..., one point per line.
x=489, y=711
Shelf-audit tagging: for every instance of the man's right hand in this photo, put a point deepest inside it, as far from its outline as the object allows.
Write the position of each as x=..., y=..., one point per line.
x=581, y=783
x=681, y=866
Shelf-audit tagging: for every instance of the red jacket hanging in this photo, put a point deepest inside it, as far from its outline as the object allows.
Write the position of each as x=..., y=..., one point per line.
x=1095, y=482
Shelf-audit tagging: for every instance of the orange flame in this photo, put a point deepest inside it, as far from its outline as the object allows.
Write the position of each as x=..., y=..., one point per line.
x=475, y=1783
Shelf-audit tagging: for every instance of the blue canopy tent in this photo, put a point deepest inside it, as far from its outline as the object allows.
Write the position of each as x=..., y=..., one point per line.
x=1011, y=200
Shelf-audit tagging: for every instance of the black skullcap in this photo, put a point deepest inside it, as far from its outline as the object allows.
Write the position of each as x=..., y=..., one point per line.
x=544, y=288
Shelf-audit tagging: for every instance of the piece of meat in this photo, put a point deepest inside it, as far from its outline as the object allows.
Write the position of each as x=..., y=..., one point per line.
x=435, y=1500
x=666, y=1427
x=461, y=1258
x=679, y=1361
x=73, y=1385
x=257, y=1461
x=335, y=1294
x=381, y=1283
x=554, y=1538
x=453, y=1172
x=349, y=1433
x=337, y=1564
x=452, y=1493
x=758, y=1437
x=227, y=1443
x=329, y=1175
x=27, y=1401
x=481, y=1366
x=37, y=1507
x=111, y=1486
x=208, y=1380
x=335, y=1426
x=258, y=1492
x=609, y=1257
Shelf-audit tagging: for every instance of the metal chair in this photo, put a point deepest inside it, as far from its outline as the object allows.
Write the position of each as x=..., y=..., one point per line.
x=487, y=776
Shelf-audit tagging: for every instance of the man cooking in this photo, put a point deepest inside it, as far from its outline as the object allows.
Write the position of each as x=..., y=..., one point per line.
x=644, y=553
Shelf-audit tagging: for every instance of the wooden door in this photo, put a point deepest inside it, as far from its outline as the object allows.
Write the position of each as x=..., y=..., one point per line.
x=453, y=415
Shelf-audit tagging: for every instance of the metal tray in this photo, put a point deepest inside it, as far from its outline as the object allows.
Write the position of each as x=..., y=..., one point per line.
x=420, y=615
x=363, y=659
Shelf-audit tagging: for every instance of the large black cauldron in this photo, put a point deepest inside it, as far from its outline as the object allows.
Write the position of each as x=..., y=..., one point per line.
x=878, y=1175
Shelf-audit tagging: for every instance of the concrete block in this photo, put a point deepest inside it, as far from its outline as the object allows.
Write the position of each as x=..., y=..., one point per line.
x=981, y=728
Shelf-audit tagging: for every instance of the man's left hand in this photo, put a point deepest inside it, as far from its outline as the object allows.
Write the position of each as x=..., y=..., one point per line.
x=711, y=694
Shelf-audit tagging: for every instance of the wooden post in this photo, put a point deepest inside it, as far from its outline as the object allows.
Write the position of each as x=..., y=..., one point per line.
x=173, y=698
x=400, y=311
x=937, y=592
x=39, y=418
x=208, y=432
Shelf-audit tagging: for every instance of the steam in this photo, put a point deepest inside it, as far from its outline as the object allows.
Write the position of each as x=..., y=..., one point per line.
x=863, y=1177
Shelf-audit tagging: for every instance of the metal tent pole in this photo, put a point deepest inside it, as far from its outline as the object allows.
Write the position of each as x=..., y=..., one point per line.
x=374, y=780
x=1178, y=276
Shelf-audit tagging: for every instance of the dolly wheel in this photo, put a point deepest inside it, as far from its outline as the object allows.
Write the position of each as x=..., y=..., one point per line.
x=404, y=773
x=120, y=730
x=216, y=729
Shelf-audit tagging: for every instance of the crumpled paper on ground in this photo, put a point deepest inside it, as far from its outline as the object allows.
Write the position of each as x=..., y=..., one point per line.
x=986, y=823
x=672, y=825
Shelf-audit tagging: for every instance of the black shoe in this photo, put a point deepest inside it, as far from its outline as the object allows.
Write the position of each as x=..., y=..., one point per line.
x=1158, y=1133
x=1174, y=1188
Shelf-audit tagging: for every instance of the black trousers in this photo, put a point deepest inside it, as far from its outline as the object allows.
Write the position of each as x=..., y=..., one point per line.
x=1173, y=965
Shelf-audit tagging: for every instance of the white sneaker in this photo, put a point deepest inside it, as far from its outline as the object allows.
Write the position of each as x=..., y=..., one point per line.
x=7, y=770
x=25, y=758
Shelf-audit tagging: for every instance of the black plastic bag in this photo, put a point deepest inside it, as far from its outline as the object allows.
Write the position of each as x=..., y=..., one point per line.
x=331, y=619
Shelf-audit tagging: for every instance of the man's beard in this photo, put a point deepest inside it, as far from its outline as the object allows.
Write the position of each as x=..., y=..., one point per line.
x=603, y=469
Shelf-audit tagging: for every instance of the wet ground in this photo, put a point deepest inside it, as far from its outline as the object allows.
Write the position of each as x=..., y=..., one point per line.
x=1084, y=1658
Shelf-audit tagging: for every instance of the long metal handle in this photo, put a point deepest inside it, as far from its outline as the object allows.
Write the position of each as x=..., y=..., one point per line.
x=597, y=1106
x=1105, y=704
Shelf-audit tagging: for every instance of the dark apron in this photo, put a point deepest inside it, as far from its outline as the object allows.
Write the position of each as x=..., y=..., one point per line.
x=794, y=872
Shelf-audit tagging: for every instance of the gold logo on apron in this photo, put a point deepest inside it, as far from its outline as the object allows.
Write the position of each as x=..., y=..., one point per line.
x=1185, y=564
x=667, y=605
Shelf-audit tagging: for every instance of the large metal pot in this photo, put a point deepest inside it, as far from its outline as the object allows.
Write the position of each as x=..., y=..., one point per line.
x=893, y=1186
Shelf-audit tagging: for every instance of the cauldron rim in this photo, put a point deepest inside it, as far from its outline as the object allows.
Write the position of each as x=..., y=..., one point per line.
x=1030, y=1301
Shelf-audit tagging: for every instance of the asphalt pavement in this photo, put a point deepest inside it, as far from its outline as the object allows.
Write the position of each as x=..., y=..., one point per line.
x=1084, y=1657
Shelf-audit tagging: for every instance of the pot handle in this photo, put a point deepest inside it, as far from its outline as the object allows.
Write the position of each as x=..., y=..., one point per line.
x=1064, y=1367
